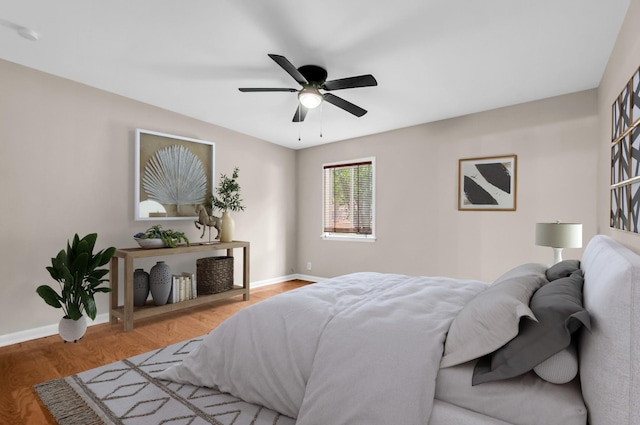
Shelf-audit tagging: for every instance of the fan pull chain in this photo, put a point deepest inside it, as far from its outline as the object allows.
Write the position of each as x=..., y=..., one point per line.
x=321, y=115
x=299, y=139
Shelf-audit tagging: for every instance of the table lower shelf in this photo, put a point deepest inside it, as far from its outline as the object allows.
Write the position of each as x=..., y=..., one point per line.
x=151, y=310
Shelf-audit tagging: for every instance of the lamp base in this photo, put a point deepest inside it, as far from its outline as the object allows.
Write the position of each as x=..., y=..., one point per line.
x=557, y=255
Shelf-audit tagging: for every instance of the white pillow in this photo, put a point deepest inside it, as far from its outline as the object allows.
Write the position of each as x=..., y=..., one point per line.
x=491, y=319
x=525, y=399
x=560, y=368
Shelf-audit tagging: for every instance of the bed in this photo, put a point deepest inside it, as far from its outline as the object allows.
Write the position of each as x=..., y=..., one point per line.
x=371, y=348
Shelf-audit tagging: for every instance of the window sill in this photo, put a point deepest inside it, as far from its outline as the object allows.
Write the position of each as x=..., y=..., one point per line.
x=349, y=238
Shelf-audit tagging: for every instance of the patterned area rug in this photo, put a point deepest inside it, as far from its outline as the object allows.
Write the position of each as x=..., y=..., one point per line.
x=126, y=392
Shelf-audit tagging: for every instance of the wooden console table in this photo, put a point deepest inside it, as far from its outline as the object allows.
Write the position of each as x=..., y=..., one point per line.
x=128, y=313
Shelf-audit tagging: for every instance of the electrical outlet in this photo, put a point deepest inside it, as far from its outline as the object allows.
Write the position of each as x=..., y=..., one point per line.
x=309, y=265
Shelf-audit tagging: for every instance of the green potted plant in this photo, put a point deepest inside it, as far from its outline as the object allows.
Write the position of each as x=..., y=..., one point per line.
x=227, y=198
x=77, y=271
x=156, y=237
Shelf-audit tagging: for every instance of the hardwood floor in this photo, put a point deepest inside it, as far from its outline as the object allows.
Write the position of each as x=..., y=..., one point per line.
x=25, y=364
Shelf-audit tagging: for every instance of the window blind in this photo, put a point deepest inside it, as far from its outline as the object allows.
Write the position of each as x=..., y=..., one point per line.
x=348, y=198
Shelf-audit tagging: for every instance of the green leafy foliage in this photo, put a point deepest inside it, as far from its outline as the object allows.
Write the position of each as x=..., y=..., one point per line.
x=77, y=272
x=170, y=237
x=228, y=193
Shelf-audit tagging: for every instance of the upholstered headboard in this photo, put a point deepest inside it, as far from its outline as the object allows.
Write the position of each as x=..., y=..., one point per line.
x=610, y=353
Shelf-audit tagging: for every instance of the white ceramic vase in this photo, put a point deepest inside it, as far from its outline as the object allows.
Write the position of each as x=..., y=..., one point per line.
x=72, y=330
x=227, y=227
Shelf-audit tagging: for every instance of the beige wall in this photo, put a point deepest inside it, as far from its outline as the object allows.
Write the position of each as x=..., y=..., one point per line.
x=419, y=229
x=66, y=166
x=624, y=61
x=563, y=148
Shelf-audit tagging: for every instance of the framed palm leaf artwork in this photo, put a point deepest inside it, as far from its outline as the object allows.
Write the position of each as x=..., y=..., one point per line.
x=173, y=175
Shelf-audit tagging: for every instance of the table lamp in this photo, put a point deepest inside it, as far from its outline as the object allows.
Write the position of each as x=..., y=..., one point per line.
x=558, y=236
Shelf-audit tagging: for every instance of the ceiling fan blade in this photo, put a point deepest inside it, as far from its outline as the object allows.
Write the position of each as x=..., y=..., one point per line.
x=351, y=82
x=341, y=103
x=288, y=66
x=249, y=89
x=301, y=113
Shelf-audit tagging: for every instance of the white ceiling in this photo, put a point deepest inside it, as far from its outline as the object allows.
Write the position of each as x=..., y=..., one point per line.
x=433, y=59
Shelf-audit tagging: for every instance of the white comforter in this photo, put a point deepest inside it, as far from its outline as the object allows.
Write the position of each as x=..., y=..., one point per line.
x=359, y=349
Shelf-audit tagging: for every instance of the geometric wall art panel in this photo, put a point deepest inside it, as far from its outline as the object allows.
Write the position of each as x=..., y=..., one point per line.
x=615, y=208
x=635, y=152
x=635, y=100
x=615, y=164
x=625, y=158
x=624, y=207
x=634, y=208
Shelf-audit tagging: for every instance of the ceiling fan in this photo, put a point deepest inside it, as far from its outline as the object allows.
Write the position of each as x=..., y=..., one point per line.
x=313, y=78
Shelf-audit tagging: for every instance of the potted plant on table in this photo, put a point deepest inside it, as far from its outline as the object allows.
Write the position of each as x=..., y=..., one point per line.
x=157, y=237
x=77, y=271
x=228, y=199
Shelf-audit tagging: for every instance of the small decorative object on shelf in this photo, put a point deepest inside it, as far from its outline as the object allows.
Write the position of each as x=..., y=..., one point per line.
x=77, y=271
x=140, y=287
x=157, y=237
x=149, y=243
x=207, y=222
x=227, y=198
x=160, y=282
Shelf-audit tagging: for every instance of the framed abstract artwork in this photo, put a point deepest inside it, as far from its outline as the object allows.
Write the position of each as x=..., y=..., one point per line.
x=173, y=175
x=487, y=184
x=625, y=158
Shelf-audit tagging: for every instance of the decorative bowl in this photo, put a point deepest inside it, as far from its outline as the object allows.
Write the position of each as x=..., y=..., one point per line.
x=150, y=243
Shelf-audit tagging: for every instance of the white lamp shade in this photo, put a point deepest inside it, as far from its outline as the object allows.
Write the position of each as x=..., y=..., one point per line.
x=559, y=235
x=310, y=97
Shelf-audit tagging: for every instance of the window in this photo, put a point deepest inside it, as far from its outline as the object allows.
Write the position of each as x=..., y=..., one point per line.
x=348, y=189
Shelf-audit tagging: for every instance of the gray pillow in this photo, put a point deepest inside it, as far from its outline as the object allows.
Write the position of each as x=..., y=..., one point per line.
x=491, y=318
x=562, y=269
x=558, y=308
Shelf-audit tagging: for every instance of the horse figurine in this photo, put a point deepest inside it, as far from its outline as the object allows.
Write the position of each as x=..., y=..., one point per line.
x=207, y=221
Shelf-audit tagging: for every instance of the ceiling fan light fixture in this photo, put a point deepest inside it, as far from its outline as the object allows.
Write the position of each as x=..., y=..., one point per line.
x=310, y=97
x=313, y=78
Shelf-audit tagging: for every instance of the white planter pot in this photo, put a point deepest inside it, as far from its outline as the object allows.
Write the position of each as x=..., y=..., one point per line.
x=72, y=330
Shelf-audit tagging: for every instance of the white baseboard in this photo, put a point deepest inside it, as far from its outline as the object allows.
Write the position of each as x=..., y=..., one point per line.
x=284, y=279
x=41, y=332
x=273, y=281
x=309, y=278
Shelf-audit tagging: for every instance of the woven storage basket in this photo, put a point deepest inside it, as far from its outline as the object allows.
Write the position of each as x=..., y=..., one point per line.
x=214, y=274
